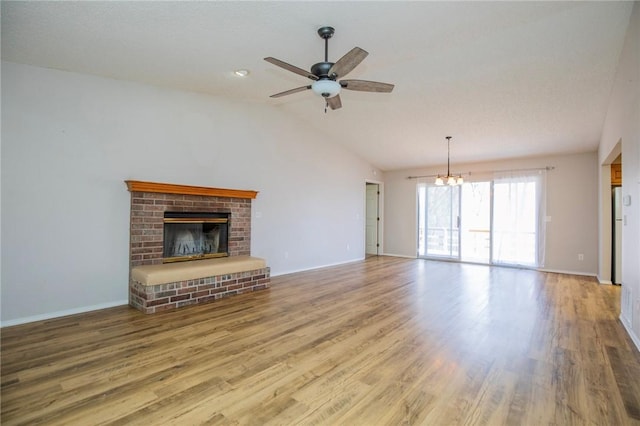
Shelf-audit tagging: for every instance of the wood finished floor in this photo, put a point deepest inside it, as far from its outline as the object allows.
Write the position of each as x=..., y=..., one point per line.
x=385, y=341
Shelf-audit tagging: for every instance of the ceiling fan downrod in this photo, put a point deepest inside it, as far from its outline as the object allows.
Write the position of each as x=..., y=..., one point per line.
x=326, y=33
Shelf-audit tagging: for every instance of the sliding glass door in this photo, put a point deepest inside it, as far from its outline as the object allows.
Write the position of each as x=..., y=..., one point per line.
x=438, y=229
x=499, y=221
x=518, y=221
x=475, y=223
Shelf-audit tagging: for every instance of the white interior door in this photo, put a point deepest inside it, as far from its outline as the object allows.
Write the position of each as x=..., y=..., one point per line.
x=372, y=219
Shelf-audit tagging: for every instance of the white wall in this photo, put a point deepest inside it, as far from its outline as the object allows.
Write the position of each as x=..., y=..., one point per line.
x=622, y=128
x=572, y=204
x=69, y=141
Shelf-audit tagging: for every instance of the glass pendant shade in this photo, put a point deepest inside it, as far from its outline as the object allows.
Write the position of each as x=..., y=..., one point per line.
x=326, y=88
x=439, y=181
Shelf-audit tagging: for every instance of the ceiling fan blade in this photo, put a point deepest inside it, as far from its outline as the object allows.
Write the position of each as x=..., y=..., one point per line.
x=334, y=102
x=348, y=62
x=366, y=86
x=289, y=92
x=291, y=68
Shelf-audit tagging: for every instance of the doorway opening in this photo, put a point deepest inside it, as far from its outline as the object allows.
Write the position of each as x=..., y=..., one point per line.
x=616, y=221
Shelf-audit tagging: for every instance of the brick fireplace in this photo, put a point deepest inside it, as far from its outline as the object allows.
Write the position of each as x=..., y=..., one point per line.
x=149, y=202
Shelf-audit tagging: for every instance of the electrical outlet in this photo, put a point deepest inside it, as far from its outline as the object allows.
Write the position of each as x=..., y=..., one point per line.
x=580, y=257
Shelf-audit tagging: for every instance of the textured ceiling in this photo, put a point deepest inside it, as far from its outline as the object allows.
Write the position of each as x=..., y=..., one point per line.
x=505, y=79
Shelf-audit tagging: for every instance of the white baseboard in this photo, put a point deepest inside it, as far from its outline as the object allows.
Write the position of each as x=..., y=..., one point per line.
x=556, y=271
x=64, y=313
x=627, y=326
x=293, y=271
x=560, y=271
x=399, y=255
x=602, y=281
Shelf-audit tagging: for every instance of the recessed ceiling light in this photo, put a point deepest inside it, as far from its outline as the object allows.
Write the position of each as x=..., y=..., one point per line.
x=241, y=73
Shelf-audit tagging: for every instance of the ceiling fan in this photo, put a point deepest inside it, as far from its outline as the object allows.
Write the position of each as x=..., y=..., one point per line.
x=324, y=74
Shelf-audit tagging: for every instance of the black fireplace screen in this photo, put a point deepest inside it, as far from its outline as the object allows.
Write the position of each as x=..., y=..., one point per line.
x=195, y=235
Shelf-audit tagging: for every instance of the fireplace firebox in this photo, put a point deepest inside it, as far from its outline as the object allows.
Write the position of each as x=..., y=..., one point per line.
x=195, y=235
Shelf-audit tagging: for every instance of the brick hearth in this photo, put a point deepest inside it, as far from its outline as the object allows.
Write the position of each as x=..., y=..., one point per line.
x=149, y=201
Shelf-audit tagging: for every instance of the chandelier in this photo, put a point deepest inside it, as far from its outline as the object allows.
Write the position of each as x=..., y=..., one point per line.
x=449, y=178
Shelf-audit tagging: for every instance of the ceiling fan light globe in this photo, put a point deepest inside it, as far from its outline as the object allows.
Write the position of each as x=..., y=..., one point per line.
x=326, y=88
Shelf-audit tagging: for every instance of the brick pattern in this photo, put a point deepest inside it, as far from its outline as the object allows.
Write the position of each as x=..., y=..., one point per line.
x=147, y=222
x=164, y=297
x=147, y=225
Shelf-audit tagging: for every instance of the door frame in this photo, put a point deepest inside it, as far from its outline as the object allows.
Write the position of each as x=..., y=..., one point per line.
x=380, y=233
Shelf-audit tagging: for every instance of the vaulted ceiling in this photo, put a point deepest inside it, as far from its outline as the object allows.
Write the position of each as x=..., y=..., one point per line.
x=505, y=79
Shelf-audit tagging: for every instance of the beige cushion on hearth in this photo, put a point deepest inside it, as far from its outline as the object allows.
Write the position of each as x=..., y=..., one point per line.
x=182, y=271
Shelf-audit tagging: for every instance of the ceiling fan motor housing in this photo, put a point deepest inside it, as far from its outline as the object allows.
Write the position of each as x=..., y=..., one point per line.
x=321, y=69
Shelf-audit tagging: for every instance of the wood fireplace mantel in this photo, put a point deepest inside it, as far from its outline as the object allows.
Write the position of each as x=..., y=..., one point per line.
x=169, y=188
